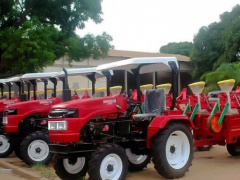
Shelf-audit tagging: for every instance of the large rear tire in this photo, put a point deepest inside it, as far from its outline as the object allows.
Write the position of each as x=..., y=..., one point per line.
x=172, y=150
x=6, y=146
x=34, y=149
x=70, y=168
x=137, y=162
x=108, y=162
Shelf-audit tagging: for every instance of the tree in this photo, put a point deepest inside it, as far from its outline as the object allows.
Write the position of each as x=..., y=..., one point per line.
x=183, y=48
x=216, y=44
x=33, y=33
x=224, y=72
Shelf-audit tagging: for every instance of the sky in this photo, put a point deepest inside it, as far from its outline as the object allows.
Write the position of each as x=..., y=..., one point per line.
x=146, y=25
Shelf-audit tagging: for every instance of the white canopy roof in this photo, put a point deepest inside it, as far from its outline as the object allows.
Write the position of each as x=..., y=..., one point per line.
x=82, y=71
x=31, y=76
x=13, y=79
x=151, y=64
x=3, y=81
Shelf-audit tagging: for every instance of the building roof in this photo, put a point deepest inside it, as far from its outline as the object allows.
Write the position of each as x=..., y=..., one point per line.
x=134, y=54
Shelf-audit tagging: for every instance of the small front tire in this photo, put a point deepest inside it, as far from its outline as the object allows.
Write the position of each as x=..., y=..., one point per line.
x=70, y=168
x=34, y=149
x=108, y=162
x=6, y=146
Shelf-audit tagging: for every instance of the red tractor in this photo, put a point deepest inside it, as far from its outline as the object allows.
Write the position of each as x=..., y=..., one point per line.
x=99, y=136
x=25, y=123
x=20, y=119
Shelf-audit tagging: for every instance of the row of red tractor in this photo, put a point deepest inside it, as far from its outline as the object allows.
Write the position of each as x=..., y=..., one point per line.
x=106, y=133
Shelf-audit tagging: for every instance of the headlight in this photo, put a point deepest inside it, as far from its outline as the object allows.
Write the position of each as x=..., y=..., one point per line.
x=5, y=120
x=63, y=113
x=11, y=112
x=57, y=125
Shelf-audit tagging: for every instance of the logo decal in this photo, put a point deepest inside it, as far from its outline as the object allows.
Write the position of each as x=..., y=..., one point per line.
x=109, y=101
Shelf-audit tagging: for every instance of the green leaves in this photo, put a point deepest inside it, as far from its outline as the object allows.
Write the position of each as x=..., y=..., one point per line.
x=216, y=44
x=29, y=48
x=224, y=72
x=34, y=33
x=88, y=46
x=183, y=48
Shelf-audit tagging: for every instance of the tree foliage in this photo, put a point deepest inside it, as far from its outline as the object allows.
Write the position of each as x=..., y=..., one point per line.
x=34, y=33
x=217, y=43
x=225, y=71
x=183, y=48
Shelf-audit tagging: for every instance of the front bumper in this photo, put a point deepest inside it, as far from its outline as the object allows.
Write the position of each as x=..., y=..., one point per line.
x=63, y=137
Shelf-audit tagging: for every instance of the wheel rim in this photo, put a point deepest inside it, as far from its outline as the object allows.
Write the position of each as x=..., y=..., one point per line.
x=4, y=144
x=177, y=149
x=38, y=150
x=213, y=124
x=111, y=167
x=135, y=159
x=74, y=166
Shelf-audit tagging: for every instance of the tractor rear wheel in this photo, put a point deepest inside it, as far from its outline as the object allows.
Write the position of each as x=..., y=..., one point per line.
x=108, y=162
x=137, y=162
x=70, y=168
x=34, y=149
x=234, y=148
x=172, y=150
x=6, y=146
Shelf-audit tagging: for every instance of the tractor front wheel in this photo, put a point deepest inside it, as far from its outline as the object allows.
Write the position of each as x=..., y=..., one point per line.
x=70, y=168
x=108, y=162
x=6, y=147
x=34, y=149
x=172, y=150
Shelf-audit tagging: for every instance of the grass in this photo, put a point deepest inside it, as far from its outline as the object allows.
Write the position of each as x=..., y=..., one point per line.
x=44, y=172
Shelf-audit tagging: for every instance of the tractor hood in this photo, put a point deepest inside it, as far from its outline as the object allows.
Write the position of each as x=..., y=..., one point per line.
x=26, y=106
x=95, y=106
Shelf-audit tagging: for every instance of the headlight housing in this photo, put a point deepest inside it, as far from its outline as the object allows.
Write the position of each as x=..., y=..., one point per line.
x=57, y=125
x=63, y=113
x=11, y=111
x=5, y=120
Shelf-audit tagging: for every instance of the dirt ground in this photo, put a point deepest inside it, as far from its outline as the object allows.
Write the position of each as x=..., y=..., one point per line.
x=7, y=174
x=215, y=164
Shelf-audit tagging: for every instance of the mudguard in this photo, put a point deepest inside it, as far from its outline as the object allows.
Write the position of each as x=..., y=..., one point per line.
x=159, y=122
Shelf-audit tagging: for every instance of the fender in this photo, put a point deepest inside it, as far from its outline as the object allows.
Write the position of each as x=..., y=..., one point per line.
x=160, y=122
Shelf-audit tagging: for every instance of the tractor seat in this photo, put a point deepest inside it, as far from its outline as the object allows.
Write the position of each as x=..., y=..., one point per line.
x=154, y=105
